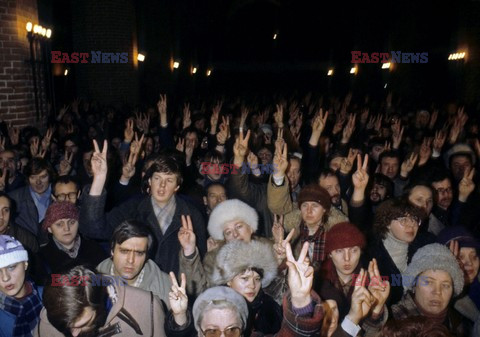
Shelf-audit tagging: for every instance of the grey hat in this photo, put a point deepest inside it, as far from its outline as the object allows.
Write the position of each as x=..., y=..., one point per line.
x=434, y=257
x=237, y=256
x=459, y=149
x=212, y=295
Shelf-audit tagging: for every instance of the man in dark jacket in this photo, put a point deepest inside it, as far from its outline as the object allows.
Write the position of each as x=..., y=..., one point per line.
x=161, y=210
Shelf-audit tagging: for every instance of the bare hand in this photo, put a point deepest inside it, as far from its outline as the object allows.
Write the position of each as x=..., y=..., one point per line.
x=186, y=236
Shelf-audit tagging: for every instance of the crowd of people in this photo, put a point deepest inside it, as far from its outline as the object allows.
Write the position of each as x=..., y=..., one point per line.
x=298, y=216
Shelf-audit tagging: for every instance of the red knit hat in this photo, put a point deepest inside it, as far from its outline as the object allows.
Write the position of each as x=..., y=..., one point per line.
x=314, y=192
x=59, y=210
x=343, y=235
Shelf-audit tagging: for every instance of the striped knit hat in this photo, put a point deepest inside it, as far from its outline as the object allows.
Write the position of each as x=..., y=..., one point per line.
x=11, y=251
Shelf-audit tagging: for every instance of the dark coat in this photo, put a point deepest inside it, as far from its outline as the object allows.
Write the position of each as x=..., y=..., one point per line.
x=95, y=223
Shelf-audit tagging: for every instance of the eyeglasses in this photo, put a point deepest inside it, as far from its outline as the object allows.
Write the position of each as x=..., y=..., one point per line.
x=64, y=196
x=408, y=221
x=444, y=190
x=233, y=331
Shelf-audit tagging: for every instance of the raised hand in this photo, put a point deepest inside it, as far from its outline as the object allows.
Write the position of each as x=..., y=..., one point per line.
x=348, y=130
x=280, y=160
x=186, y=236
x=162, y=109
x=340, y=120
x=2, y=143
x=243, y=117
x=319, y=122
x=3, y=178
x=408, y=165
x=347, y=163
x=360, y=177
x=277, y=229
x=240, y=148
x=128, y=132
x=63, y=111
x=433, y=119
x=99, y=159
x=300, y=276
x=66, y=164
x=278, y=116
x=223, y=134
x=439, y=140
x=13, y=134
x=135, y=147
x=186, y=116
x=46, y=140
x=178, y=299
x=361, y=301
x=280, y=247
x=180, y=145
x=397, y=134
x=378, y=288
x=330, y=322
x=378, y=123
x=425, y=151
x=466, y=185
x=214, y=119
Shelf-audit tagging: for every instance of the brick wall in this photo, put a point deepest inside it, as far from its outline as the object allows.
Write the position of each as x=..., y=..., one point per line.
x=107, y=26
x=17, y=101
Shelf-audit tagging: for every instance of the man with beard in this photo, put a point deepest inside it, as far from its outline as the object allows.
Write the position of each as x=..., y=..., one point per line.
x=9, y=165
x=380, y=189
x=329, y=181
x=80, y=308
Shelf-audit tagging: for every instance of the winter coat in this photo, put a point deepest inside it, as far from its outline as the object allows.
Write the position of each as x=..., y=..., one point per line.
x=408, y=308
x=135, y=312
x=95, y=223
x=154, y=279
x=280, y=202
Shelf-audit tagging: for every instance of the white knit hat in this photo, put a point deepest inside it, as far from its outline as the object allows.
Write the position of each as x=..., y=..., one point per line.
x=11, y=251
x=459, y=149
x=434, y=257
x=230, y=210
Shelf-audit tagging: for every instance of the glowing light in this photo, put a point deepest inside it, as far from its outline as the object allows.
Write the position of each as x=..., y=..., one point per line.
x=275, y=36
x=49, y=33
x=140, y=57
x=65, y=73
x=386, y=65
x=29, y=26
x=35, y=29
x=194, y=70
x=209, y=72
x=456, y=56
x=354, y=70
x=330, y=72
x=44, y=31
x=176, y=64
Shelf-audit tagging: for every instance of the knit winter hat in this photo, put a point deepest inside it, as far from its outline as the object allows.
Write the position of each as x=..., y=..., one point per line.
x=314, y=192
x=459, y=149
x=459, y=234
x=237, y=256
x=230, y=210
x=343, y=235
x=60, y=210
x=214, y=294
x=434, y=257
x=11, y=251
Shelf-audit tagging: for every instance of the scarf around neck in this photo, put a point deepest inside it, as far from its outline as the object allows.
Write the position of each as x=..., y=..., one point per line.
x=26, y=310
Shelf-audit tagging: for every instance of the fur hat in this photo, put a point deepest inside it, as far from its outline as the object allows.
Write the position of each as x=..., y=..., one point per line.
x=237, y=256
x=314, y=192
x=437, y=257
x=227, y=211
x=459, y=149
x=214, y=294
x=60, y=210
x=343, y=235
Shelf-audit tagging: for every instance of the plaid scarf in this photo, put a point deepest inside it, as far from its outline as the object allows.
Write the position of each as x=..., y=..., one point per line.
x=318, y=241
x=164, y=215
x=27, y=310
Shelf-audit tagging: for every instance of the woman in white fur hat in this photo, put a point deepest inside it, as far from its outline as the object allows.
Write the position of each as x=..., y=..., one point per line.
x=248, y=267
x=231, y=220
